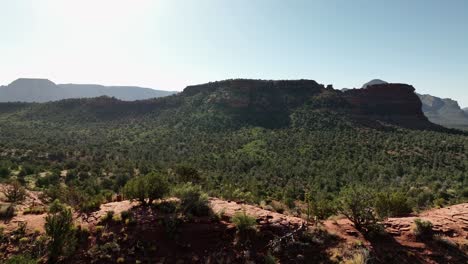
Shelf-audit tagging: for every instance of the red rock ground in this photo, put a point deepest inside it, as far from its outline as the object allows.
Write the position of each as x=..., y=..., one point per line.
x=401, y=246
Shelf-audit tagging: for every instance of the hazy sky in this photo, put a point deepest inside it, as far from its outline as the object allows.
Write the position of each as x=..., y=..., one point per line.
x=170, y=44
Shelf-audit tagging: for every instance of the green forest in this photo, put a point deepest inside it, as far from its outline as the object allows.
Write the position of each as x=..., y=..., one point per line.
x=88, y=149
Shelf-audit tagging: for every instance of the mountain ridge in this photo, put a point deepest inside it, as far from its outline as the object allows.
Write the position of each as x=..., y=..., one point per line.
x=265, y=103
x=43, y=90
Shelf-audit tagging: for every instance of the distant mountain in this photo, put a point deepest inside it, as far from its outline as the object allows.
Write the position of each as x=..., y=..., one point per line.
x=444, y=112
x=465, y=110
x=373, y=82
x=43, y=90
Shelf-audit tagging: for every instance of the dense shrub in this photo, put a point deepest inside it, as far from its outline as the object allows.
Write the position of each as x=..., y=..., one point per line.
x=244, y=222
x=423, y=229
x=391, y=204
x=192, y=199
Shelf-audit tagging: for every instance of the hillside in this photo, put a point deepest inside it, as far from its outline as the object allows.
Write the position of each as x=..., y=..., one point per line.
x=272, y=134
x=43, y=90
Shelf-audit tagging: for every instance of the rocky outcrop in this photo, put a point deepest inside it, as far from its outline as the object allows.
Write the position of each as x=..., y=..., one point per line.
x=389, y=102
x=275, y=100
x=445, y=112
x=260, y=94
x=256, y=102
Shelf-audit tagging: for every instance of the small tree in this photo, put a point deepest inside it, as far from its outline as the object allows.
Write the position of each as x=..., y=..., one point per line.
x=356, y=203
x=59, y=227
x=14, y=192
x=318, y=205
x=135, y=189
x=151, y=186
x=156, y=186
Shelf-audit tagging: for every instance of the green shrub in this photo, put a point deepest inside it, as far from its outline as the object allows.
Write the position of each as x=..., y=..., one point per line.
x=125, y=215
x=423, y=229
x=167, y=207
x=14, y=192
x=192, y=199
x=270, y=259
x=130, y=221
x=59, y=227
x=356, y=203
x=107, y=217
x=82, y=234
x=99, y=229
x=116, y=219
x=24, y=240
x=21, y=259
x=318, y=206
x=187, y=174
x=90, y=205
x=361, y=257
x=391, y=204
x=278, y=206
x=35, y=210
x=234, y=193
x=244, y=222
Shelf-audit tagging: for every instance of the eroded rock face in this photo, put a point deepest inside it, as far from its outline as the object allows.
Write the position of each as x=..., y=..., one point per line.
x=389, y=102
x=445, y=112
x=257, y=102
x=264, y=100
x=261, y=94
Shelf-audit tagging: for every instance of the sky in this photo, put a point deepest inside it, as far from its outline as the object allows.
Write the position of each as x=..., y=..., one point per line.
x=174, y=43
